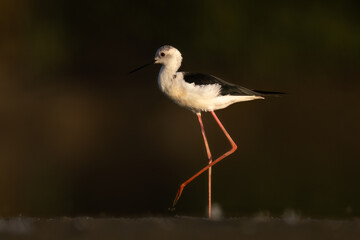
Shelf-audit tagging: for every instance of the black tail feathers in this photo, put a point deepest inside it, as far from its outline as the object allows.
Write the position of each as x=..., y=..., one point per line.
x=268, y=93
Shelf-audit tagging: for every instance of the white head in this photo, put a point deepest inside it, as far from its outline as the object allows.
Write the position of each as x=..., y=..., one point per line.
x=169, y=57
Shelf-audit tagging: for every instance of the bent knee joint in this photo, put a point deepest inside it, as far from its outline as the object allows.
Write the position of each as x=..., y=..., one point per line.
x=234, y=147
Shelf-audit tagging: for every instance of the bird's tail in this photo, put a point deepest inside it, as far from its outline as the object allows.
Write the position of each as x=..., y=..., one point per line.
x=268, y=93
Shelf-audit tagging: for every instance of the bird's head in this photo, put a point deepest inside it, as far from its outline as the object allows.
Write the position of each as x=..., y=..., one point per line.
x=168, y=56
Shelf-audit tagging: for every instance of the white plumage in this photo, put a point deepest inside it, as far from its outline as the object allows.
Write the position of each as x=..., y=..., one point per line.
x=196, y=97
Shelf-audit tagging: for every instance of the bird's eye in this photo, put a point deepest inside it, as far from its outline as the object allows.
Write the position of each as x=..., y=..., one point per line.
x=162, y=54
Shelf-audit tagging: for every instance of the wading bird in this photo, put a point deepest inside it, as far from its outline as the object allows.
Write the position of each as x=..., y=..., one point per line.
x=199, y=93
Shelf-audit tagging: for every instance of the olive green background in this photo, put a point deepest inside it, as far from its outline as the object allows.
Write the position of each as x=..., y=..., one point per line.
x=81, y=137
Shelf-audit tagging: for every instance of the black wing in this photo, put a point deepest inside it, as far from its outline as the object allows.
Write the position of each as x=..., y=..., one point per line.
x=268, y=93
x=226, y=88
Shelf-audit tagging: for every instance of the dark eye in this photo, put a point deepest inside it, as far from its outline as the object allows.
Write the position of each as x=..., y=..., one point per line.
x=162, y=54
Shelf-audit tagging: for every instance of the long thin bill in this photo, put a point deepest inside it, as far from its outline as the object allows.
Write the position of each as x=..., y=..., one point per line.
x=137, y=69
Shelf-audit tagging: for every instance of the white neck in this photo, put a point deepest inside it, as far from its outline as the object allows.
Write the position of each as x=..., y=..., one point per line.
x=166, y=69
x=166, y=75
x=167, y=72
x=173, y=64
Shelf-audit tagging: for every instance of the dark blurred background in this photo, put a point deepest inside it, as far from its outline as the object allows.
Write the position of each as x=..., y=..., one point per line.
x=80, y=137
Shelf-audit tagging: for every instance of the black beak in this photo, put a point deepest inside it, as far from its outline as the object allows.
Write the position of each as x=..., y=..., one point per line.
x=137, y=69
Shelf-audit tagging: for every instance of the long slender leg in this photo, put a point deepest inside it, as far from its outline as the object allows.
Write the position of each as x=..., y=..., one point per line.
x=209, y=157
x=233, y=148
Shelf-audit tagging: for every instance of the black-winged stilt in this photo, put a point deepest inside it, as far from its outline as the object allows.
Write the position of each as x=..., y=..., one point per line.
x=199, y=93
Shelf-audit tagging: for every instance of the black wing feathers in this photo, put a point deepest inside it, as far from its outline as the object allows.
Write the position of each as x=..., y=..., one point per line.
x=268, y=93
x=226, y=88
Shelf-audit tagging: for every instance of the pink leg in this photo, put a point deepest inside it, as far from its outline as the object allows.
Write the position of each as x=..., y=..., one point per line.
x=209, y=157
x=233, y=148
